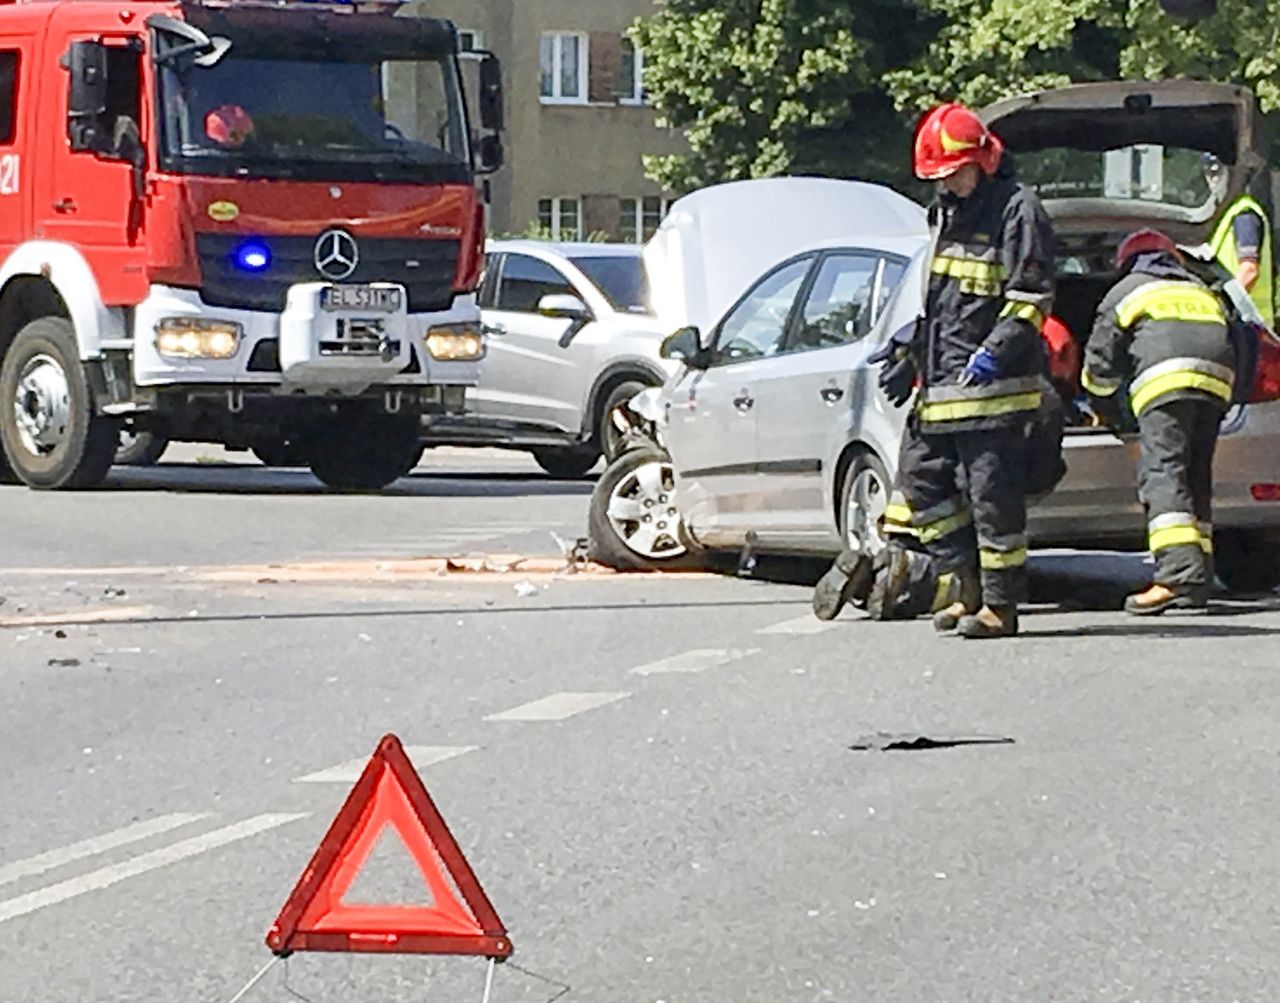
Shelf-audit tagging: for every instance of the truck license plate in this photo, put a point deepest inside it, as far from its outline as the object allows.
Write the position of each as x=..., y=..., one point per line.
x=335, y=298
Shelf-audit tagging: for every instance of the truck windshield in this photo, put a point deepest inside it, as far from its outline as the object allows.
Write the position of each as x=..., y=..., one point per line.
x=342, y=116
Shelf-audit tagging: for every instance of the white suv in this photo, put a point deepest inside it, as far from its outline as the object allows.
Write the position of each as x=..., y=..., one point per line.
x=571, y=335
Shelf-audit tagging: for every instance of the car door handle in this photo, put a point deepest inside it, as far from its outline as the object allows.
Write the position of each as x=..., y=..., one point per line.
x=832, y=395
x=744, y=402
x=65, y=205
x=497, y=329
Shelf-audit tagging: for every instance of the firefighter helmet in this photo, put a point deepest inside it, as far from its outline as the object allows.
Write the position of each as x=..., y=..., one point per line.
x=1145, y=242
x=950, y=136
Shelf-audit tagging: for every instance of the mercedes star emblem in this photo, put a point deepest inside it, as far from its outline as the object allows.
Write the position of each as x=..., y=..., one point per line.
x=337, y=255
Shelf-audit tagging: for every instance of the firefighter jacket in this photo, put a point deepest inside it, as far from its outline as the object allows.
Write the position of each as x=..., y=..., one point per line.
x=990, y=285
x=1162, y=333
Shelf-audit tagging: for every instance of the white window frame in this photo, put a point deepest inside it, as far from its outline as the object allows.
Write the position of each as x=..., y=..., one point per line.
x=557, y=205
x=584, y=67
x=637, y=77
x=477, y=43
x=637, y=211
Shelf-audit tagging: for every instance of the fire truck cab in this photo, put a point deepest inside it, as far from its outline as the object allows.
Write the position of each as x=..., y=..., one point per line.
x=235, y=223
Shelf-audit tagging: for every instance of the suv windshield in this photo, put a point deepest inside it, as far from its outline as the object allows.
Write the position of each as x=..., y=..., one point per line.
x=1172, y=175
x=337, y=112
x=622, y=279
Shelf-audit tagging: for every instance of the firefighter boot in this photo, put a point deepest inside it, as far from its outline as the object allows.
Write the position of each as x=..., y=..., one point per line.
x=964, y=598
x=848, y=580
x=1160, y=598
x=990, y=622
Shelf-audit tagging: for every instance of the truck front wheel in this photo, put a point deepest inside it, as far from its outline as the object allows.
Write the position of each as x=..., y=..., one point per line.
x=364, y=452
x=51, y=435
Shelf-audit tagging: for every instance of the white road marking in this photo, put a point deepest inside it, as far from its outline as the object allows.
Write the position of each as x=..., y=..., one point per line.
x=694, y=661
x=421, y=756
x=105, y=877
x=91, y=847
x=800, y=626
x=558, y=707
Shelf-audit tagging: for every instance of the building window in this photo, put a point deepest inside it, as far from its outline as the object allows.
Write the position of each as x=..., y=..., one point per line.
x=563, y=60
x=630, y=74
x=640, y=218
x=561, y=217
x=469, y=41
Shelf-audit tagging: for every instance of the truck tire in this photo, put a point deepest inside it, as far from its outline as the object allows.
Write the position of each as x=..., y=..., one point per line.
x=141, y=449
x=631, y=489
x=567, y=463
x=364, y=453
x=280, y=452
x=1247, y=561
x=607, y=433
x=58, y=443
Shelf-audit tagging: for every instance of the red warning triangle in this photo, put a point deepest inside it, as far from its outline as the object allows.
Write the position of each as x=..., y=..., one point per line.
x=389, y=796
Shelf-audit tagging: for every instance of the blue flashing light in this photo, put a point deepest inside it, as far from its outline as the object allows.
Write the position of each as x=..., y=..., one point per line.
x=253, y=256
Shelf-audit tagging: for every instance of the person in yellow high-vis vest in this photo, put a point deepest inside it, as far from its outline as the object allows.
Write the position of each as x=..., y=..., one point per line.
x=1242, y=244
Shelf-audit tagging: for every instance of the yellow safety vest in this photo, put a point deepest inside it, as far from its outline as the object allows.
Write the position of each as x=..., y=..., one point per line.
x=1223, y=247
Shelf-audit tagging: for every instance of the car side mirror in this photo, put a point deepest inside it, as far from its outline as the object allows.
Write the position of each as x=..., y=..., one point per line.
x=686, y=346
x=87, y=97
x=563, y=307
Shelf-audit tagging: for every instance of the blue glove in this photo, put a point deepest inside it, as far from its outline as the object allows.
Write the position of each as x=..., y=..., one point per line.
x=983, y=367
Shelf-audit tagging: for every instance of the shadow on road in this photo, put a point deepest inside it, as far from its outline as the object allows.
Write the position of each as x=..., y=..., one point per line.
x=405, y=614
x=252, y=479
x=1199, y=626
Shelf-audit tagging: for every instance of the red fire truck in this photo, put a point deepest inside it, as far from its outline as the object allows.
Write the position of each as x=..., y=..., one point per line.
x=238, y=223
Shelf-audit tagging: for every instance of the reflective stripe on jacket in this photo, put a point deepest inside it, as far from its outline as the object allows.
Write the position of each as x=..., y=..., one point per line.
x=1164, y=334
x=990, y=285
x=1225, y=251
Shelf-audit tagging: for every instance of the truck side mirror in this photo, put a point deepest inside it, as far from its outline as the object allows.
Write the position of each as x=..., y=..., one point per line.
x=87, y=98
x=491, y=154
x=491, y=116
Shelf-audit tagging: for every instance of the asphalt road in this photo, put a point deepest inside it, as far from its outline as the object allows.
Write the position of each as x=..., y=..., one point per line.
x=651, y=776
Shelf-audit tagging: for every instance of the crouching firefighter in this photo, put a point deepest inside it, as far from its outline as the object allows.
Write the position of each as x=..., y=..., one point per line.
x=1164, y=336
x=977, y=355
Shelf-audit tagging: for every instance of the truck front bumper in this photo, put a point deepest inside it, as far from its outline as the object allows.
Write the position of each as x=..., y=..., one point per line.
x=307, y=349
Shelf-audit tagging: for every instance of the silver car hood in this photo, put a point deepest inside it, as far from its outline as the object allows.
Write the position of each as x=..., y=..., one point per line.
x=717, y=242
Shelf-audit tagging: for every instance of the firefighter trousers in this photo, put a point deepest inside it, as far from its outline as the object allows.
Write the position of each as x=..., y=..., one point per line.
x=962, y=495
x=1175, y=484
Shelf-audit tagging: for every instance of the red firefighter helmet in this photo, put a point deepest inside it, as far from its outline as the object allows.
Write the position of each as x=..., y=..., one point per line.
x=1145, y=242
x=951, y=136
x=229, y=126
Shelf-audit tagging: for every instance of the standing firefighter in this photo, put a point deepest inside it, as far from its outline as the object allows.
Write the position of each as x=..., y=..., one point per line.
x=1242, y=242
x=1162, y=333
x=978, y=358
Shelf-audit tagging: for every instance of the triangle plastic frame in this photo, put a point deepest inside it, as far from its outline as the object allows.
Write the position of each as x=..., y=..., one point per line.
x=389, y=793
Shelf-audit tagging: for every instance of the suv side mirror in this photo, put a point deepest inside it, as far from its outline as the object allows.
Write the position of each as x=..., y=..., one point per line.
x=686, y=345
x=563, y=307
x=87, y=100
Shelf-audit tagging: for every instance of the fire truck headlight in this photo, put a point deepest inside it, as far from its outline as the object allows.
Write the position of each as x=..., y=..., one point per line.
x=194, y=338
x=456, y=343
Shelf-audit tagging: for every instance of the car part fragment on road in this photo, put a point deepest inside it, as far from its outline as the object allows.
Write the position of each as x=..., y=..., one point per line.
x=885, y=742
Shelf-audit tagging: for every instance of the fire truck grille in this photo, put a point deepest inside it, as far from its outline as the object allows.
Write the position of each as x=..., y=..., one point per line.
x=426, y=268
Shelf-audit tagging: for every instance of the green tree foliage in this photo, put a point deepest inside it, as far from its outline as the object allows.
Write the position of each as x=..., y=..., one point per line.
x=765, y=87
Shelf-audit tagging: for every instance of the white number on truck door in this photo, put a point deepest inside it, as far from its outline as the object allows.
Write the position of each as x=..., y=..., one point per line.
x=10, y=171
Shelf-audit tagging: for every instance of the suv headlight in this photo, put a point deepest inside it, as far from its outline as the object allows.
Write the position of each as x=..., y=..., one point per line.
x=196, y=338
x=455, y=342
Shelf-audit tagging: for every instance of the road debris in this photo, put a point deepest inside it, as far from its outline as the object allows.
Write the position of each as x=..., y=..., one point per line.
x=884, y=742
x=64, y=663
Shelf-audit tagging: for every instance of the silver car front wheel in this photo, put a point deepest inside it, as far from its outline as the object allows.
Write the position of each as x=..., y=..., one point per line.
x=865, y=498
x=634, y=522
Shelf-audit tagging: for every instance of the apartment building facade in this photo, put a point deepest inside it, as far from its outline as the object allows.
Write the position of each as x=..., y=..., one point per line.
x=577, y=121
